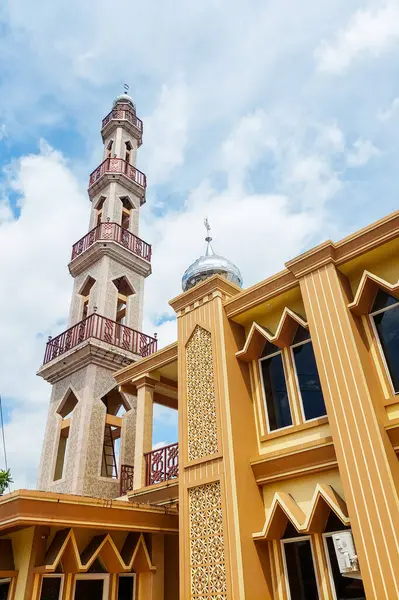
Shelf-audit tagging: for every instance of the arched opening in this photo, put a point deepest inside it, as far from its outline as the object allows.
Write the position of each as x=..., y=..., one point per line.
x=65, y=410
x=99, y=211
x=115, y=406
x=124, y=291
x=85, y=294
x=126, y=212
x=108, y=151
x=128, y=152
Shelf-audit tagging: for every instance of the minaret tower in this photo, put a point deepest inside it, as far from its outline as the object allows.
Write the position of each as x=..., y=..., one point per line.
x=90, y=433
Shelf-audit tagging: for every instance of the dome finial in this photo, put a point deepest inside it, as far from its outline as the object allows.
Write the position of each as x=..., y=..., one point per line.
x=209, y=250
x=126, y=87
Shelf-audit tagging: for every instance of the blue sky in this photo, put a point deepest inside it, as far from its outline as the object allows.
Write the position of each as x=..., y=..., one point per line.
x=278, y=120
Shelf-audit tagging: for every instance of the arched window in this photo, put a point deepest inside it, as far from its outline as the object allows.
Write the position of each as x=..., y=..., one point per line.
x=85, y=293
x=126, y=213
x=115, y=408
x=307, y=376
x=128, y=151
x=275, y=388
x=385, y=318
x=108, y=152
x=124, y=291
x=65, y=410
x=99, y=209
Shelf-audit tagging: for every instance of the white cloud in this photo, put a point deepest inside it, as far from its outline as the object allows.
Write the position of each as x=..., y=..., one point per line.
x=363, y=151
x=388, y=113
x=36, y=291
x=369, y=32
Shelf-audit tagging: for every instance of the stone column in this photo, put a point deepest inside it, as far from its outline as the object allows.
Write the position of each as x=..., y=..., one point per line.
x=367, y=463
x=145, y=403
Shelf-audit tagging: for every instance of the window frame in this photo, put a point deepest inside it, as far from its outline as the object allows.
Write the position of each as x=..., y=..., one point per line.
x=301, y=538
x=298, y=387
x=262, y=358
x=327, y=556
x=103, y=576
x=371, y=316
x=132, y=576
x=53, y=576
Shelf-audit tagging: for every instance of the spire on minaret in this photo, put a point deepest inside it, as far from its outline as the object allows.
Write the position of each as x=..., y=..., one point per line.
x=209, y=250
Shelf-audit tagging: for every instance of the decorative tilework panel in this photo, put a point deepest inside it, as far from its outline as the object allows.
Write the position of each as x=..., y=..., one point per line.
x=207, y=557
x=201, y=404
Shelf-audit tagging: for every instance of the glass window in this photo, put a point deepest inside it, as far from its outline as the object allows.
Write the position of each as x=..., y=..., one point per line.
x=51, y=588
x=275, y=390
x=386, y=321
x=126, y=587
x=346, y=588
x=308, y=381
x=300, y=570
x=89, y=588
x=4, y=588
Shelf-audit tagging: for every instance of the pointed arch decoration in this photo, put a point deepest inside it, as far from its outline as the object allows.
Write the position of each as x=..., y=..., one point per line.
x=258, y=335
x=285, y=509
x=367, y=290
x=134, y=555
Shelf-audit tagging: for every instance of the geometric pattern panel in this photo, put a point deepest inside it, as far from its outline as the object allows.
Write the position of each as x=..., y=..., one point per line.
x=207, y=553
x=201, y=403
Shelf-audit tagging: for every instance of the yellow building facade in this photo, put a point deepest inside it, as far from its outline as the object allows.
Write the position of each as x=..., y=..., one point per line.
x=288, y=407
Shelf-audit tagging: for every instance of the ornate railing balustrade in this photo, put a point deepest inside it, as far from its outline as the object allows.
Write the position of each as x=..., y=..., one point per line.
x=127, y=476
x=113, y=232
x=100, y=328
x=118, y=165
x=162, y=464
x=120, y=114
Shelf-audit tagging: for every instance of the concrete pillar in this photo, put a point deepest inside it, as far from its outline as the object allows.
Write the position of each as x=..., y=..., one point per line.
x=144, y=418
x=367, y=463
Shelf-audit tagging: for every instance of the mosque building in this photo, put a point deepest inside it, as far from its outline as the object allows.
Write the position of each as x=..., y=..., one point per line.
x=283, y=482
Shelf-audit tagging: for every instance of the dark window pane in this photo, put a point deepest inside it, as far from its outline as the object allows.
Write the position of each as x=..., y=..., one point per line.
x=334, y=523
x=309, y=382
x=300, y=570
x=301, y=335
x=383, y=300
x=277, y=402
x=125, y=589
x=387, y=324
x=51, y=587
x=4, y=587
x=270, y=349
x=346, y=588
x=89, y=589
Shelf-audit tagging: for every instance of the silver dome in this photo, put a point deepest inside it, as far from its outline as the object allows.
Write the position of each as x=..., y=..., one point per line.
x=124, y=98
x=208, y=265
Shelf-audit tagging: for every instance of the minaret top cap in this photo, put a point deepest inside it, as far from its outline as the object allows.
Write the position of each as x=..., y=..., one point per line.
x=125, y=97
x=210, y=264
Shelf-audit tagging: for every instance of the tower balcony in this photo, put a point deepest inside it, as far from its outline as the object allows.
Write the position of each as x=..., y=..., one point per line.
x=105, y=330
x=123, y=114
x=114, y=169
x=113, y=232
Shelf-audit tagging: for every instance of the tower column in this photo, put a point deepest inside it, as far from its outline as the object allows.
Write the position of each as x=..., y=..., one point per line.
x=367, y=463
x=218, y=558
x=144, y=420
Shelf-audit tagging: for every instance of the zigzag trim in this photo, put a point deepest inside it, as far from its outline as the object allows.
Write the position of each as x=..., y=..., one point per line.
x=366, y=291
x=134, y=555
x=284, y=509
x=257, y=336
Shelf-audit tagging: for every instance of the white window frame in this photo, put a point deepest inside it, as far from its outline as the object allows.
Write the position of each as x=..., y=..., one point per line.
x=103, y=576
x=53, y=576
x=8, y=580
x=304, y=419
x=301, y=538
x=327, y=555
x=380, y=348
x=132, y=576
x=264, y=393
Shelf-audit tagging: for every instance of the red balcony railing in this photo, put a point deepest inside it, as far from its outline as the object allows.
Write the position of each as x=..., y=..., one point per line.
x=122, y=113
x=118, y=165
x=100, y=328
x=116, y=233
x=127, y=475
x=162, y=464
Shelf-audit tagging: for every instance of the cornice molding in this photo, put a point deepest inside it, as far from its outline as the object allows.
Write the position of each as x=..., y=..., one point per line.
x=146, y=365
x=214, y=286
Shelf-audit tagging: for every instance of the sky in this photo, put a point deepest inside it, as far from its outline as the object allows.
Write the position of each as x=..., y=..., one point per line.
x=276, y=119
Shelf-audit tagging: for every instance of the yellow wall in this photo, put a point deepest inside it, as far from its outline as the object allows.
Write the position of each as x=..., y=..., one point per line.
x=22, y=542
